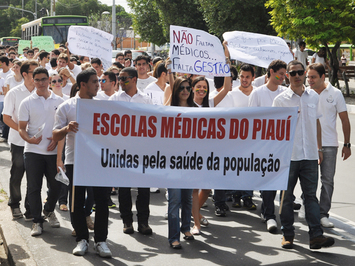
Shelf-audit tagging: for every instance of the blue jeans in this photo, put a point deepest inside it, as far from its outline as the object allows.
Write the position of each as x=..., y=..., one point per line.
x=327, y=171
x=307, y=172
x=177, y=198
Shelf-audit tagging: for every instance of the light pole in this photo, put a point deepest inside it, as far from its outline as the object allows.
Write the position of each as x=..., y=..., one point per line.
x=114, y=23
x=106, y=20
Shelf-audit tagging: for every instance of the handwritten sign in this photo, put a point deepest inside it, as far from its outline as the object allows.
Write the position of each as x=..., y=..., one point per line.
x=43, y=43
x=196, y=52
x=256, y=49
x=22, y=44
x=91, y=42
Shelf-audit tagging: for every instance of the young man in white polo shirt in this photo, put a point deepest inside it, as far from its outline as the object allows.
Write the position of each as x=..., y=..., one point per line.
x=142, y=64
x=263, y=97
x=128, y=81
x=66, y=126
x=331, y=103
x=10, y=115
x=305, y=156
x=36, y=119
x=108, y=83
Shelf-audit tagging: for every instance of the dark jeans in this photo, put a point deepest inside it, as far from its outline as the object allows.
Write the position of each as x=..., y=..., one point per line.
x=63, y=195
x=219, y=197
x=78, y=214
x=268, y=205
x=38, y=165
x=307, y=172
x=142, y=205
x=16, y=174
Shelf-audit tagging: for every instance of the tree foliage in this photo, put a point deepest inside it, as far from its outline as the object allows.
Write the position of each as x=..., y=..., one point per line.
x=222, y=16
x=316, y=21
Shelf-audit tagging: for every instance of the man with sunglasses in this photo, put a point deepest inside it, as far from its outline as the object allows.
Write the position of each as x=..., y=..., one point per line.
x=40, y=153
x=108, y=83
x=128, y=82
x=263, y=96
x=142, y=64
x=331, y=103
x=306, y=154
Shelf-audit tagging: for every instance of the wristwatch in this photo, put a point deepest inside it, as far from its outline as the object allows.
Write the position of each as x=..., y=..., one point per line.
x=348, y=145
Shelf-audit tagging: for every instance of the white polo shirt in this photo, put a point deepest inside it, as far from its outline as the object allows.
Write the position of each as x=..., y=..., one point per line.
x=143, y=83
x=263, y=97
x=139, y=97
x=305, y=145
x=331, y=102
x=38, y=111
x=11, y=81
x=66, y=113
x=11, y=107
x=155, y=93
x=101, y=95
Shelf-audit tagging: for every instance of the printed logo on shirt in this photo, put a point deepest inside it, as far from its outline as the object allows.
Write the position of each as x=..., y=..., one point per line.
x=330, y=99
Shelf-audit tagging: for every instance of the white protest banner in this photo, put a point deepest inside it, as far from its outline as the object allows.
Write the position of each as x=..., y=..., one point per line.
x=256, y=49
x=91, y=42
x=43, y=42
x=196, y=52
x=139, y=145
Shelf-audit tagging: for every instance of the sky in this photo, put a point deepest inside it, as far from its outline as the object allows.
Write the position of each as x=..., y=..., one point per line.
x=117, y=2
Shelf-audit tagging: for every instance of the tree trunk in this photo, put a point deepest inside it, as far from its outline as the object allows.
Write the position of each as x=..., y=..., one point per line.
x=333, y=62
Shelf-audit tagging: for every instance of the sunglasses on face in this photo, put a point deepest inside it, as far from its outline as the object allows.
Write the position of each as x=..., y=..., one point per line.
x=204, y=90
x=299, y=72
x=123, y=78
x=55, y=81
x=102, y=80
x=188, y=88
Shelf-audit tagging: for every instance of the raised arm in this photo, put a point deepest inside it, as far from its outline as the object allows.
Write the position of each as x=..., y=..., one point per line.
x=168, y=90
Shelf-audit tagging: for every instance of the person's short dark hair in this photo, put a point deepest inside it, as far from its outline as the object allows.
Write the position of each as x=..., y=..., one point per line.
x=276, y=65
x=12, y=48
x=74, y=89
x=294, y=63
x=218, y=82
x=26, y=48
x=205, y=101
x=118, y=65
x=43, y=55
x=56, y=52
x=302, y=43
x=30, y=51
x=159, y=69
x=247, y=68
x=127, y=52
x=131, y=71
x=319, y=67
x=40, y=70
x=111, y=76
x=119, y=54
x=156, y=60
x=85, y=75
x=26, y=66
x=53, y=62
x=7, y=46
x=96, y=61
x=72, y=59
x=142, y=57
x=4, y=59
x=11, y=59
x=234, y=72
x=12, y=53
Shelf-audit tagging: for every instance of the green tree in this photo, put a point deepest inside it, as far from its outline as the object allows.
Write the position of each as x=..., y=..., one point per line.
x=222, y=16
x=316, y=21
x=16, y=27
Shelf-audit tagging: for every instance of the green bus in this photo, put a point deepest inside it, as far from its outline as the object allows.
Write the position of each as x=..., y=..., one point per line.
x=55, y=26
x=12, y=41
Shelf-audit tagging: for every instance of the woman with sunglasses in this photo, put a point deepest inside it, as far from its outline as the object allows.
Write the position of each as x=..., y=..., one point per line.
x=56, y=85
x=181, y=96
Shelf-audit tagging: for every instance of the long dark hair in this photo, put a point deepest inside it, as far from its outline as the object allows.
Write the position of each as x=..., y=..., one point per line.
x=175, y=100
x=205, y=102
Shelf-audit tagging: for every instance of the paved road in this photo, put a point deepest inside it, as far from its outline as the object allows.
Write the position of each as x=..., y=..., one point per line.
x=238, y=239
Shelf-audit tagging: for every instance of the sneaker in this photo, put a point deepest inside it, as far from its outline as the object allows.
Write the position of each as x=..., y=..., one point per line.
x=73, y=233
x=321, y=242
x=37, y=229
x=287, y=242
x=111, y=204
x=16, y=213
x=145, y=229
x=52, y=219
x=195, y=231
x=103, y=250
x=236, y=202
x=302, y=213
x=271, y=225
x=90, y=224
x=28, y=216
x=81, y=248
x=249, y=204
x=220, y=212
x=326, y=223
x=204, y=221
x=296, y=206
x=128, y=228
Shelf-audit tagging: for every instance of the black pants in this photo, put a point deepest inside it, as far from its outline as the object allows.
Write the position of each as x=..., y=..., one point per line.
x=78, y=216
x=142, y=205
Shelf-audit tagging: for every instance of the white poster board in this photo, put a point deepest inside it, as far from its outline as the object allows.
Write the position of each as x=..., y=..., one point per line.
x=91, y=42
x=196, y=52
x=140, y=145
x=257, y=49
